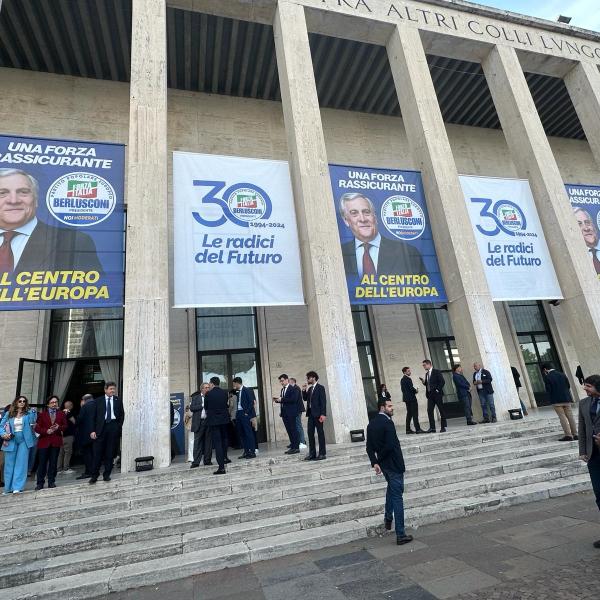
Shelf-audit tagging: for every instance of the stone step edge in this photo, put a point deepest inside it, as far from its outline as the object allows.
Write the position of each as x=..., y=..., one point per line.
x=97, y=584
x=179, y=506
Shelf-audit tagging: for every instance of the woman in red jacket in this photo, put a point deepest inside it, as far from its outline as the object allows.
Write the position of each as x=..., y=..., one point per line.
x=50, y=425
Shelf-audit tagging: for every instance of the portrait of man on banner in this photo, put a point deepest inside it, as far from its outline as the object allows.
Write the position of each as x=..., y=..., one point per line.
x=385, y=236
x=585, y=201
x=35, y=245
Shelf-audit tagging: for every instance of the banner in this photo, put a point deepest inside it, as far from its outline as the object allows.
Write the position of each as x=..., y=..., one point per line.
x=585, y=201
x=510, y=239
x=236, y=242
x=178, y=430
x=61, y=224
x=388, y=251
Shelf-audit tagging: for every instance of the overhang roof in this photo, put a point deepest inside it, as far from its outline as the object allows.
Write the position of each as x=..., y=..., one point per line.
x=92, y=38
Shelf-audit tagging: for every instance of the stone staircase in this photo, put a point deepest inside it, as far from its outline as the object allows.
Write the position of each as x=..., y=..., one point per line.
x=78, y=541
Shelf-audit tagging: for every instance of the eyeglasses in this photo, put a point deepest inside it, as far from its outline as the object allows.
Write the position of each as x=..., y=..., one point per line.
x=19, y=401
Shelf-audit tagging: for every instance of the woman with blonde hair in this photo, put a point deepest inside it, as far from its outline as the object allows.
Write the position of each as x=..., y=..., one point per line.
x=17, y=438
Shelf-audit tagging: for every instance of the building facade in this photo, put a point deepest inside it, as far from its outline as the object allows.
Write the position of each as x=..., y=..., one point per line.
x=443, y=88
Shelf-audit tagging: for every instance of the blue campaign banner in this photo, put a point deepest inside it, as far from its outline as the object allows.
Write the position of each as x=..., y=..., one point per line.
x=177, y=425
x=585, y=202
x=388, y=251
x=61, y=224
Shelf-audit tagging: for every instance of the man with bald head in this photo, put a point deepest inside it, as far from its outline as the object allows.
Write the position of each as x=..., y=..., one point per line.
x=590, y=235
x=369, y=253
x=28, y=244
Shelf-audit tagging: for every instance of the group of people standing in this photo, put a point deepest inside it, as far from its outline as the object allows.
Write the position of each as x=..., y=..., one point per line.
x=52, y=433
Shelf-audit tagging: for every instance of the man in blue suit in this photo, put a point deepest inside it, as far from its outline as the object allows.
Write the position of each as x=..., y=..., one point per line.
x=463, y=391
x=290, y=399
x=245, y=412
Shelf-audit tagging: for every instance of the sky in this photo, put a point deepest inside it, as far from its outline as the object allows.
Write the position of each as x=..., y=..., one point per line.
x=584, y=13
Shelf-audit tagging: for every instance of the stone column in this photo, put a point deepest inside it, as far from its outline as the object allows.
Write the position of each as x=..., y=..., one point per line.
x=583, y=84
x=146, y=344
x=533, y=159
x=329, y=318
x=474, y=320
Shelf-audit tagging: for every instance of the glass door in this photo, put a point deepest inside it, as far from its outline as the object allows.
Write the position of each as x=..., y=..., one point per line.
x=444, y=355
x=32, y=381
x=537, y=349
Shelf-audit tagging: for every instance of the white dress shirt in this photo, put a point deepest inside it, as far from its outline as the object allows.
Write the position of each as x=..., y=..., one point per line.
x=19, y=242
x=239, y=398
x=373, y=252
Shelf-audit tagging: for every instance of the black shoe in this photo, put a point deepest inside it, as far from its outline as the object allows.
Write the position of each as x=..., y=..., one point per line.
x=471, y=423
x=209, y=464
x=106, y=477
x=597, y=544
x=430, y=431
x=311, y=457
x=93, y=480
x=220, y=472
x=494, y=420
x=575, y=437
x=443, y=430
x=39, y=487
x=484, y=421
x=321, y=457
x=566, y=438
x=194, y=466
x=410, y=431
x=84, y=476
x=421, y=431
x=387, y=523
x=242, y=456
x=293, y=451
x=250, y=456
x=404, y=539
x=51, y=485
x=227, y=461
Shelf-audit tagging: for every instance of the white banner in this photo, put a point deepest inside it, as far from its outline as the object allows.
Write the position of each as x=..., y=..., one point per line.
x=510, y=239
x=236, y=241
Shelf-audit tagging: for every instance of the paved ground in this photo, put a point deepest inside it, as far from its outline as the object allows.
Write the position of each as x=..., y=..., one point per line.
x=541, y=551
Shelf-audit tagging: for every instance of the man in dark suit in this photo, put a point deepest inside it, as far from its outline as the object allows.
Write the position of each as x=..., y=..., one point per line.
x=244, y=413
x=369, y=253
x=589, y=434
x=32, y=245
x=200, y=429
x=409, y=397
x=289, y=400
x=559, y=393
x=86, y=423
x=434, y=391
x=463, y=392
x=107, y=431
x=217, y=418
x=385, y=454
x=316, y=412
x=482, y=380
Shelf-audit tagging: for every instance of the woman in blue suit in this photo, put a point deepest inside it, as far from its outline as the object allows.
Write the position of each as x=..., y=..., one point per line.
x=16, y=430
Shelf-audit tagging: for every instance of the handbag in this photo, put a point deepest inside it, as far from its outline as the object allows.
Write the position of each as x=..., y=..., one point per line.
x=7, y=430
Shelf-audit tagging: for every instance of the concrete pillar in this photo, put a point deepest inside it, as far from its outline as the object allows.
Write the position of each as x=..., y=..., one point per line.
x=474, y=320
x=533, y=159
x=146, y=337
x=583, y=84
x=329, y=318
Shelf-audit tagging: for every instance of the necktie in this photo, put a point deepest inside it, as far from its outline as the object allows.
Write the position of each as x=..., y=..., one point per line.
x=368, y=265
x=7, y=259
x=109, y=409
x=594, y=407
x=427, y=381
x=594, y=260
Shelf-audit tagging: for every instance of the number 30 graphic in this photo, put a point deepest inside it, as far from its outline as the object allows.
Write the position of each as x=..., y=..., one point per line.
x=492, y=214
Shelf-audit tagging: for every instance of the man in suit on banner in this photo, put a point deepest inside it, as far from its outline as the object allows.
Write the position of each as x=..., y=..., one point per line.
x=107, y=431
x=369, y=253
x=29, y=244
x=591, y=237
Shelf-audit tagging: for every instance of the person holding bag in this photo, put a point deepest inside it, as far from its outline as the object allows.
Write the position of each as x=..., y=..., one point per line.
x=50, y=425
x=17, y=439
